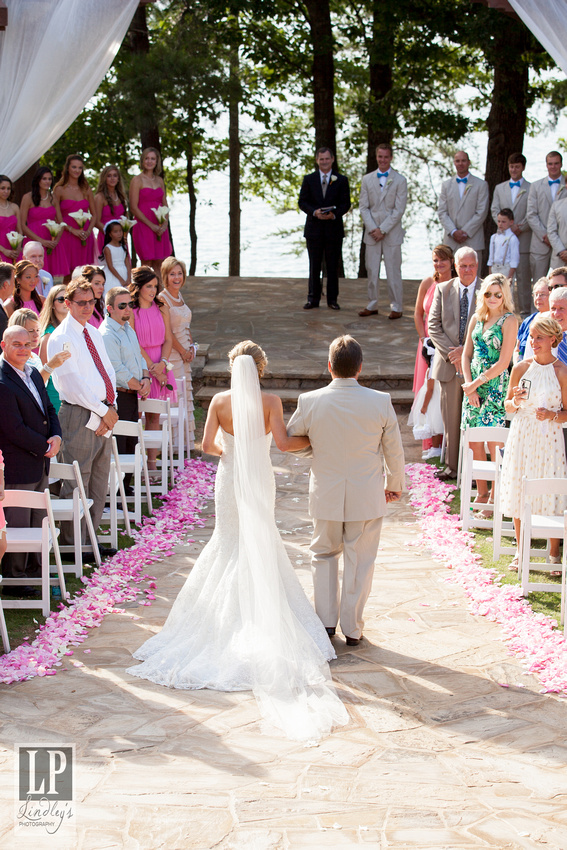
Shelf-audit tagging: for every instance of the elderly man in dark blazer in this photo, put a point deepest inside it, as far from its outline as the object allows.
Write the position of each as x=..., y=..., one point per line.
x=30, y=435
x=324, y=190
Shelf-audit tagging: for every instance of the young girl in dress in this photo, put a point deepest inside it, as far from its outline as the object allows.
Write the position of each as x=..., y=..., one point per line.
x=9, y=220
x=71, y=194
x=115, y=256
x=425, y=415
x=25, y=290
x=109, y=200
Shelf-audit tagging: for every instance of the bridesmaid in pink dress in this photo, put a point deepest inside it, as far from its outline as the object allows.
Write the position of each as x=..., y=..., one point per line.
x=147, y=192
x=97, y=278
x=443, y=271
x=71, y=194
x=37, y=207
x=9, y=220
x=109, y=201
x=150, y=319
x=25, y=294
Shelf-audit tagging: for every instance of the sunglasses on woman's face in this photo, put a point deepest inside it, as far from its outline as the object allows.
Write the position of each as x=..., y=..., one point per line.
x=493, y=295
x=60, y=299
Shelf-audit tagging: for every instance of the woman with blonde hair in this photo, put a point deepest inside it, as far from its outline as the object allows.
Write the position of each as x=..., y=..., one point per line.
x=487, y=353
x=147, y=193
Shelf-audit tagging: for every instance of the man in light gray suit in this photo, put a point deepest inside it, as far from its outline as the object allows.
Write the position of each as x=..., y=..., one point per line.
x=463, y=206
x=557, y=231
x=513, y=194
x=453, y=304
x=383, y=198
x=351, y=428
x=542, y=195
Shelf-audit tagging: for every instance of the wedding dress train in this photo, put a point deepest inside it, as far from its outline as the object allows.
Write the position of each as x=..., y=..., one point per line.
x=242, y=621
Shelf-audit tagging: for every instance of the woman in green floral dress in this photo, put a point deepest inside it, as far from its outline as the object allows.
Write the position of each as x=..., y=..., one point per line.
x=487, y=353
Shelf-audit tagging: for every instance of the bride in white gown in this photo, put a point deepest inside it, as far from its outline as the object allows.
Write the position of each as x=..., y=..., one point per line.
x=242, y=621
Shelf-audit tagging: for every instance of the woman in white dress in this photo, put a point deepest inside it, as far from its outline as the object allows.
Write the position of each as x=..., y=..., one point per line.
x=537, y=396
x=173, y=276
x=242, y=621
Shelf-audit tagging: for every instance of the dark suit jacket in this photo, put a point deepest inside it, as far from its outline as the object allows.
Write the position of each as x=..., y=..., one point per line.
x=3, y=321
x=24, y=428
x=311, y=199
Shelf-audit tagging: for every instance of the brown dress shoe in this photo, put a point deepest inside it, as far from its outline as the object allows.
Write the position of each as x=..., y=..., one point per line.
x=366, y=312
x=395, y=315
x=352, y=641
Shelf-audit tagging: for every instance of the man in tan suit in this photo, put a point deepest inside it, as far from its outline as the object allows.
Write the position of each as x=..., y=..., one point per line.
x=350, y=428
x=463, y=206
x=543, y=193
x=383, y=198
x=453, y=304
x=557, y=231
x=513, y=194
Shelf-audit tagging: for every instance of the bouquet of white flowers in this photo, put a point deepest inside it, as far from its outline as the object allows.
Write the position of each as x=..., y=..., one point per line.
x=54, y=227
x=161, y=214
x=127, y=224
x=15, y=239
x=81, y=217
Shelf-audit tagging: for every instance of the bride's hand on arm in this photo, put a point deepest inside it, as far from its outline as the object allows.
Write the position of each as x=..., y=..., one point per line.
x=277, y=427
x=210, y=444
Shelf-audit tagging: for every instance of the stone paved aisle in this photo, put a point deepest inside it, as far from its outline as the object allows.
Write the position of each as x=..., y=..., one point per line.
x=437, y=754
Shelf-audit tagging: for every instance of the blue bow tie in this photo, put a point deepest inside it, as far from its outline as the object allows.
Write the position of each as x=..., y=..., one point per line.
x=462, y=179
x=518, y=184
x=385, y=174
x=551, y=182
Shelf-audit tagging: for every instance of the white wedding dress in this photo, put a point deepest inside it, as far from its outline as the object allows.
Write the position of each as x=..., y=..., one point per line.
x=242, y=621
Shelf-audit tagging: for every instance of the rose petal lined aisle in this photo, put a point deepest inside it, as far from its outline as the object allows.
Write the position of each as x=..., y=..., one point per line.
x=120, y=579
x=531, y=636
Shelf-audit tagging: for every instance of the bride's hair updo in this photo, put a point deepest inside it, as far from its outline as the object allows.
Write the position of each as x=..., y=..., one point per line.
x=249, y=347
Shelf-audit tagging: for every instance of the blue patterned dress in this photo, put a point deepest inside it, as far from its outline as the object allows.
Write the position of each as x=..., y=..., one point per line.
x=486, y=351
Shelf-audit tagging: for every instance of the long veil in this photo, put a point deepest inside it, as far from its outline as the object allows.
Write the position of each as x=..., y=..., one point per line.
x=290, y=677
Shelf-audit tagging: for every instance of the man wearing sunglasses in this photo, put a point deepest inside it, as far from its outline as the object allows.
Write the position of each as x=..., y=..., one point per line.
x=123, y=349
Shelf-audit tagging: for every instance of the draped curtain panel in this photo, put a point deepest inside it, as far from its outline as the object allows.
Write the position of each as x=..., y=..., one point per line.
x=547, y=19
x=53, y=57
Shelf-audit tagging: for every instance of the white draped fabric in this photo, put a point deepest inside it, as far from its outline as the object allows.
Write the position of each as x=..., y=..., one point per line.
x=53, y=56
x=547, y=19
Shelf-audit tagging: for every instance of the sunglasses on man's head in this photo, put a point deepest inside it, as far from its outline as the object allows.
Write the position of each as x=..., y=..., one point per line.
x=125, y=304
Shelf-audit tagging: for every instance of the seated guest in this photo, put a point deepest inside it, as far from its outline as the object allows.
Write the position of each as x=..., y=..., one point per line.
x=7, y=281
x=35, y=253
x=30, y=435
x=53, y=313
x=97, y=279
x=540, y=295
x=25, y=289
x=27, y=319
x=556, y=279
x=86, y=387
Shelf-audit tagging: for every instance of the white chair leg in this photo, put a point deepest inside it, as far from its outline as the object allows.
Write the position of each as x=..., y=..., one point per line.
x=45, y=578
x=4, y=631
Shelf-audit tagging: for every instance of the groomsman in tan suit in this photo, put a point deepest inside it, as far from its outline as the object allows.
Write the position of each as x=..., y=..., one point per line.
x=383, y=198
x=453, y=304
x=513, y=194
x=543, y=193
x=351, y=428
x=557, y=231
x=463, y=206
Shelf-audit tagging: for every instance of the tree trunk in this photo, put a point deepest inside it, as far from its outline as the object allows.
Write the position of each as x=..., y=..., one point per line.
x=235, y=97
x=322, y=73
x=23, y=183
x=192, y=208
x=138, y=41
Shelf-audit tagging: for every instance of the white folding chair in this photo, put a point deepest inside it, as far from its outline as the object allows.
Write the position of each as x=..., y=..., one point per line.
x=136, y=464
x=162, y=439
x=113, y=515
x=502, y=528
x=3, y=627
x=564, y=574
x=179, y=424
x=73, y=510
x=485, y=470
x=537, y=526
x=43, y=539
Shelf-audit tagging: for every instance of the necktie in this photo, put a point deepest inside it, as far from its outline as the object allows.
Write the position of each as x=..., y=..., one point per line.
x=462, y=179
x=324, y=185
x=551, y=182
x=464, y=315
x=382, y=174
x=562, y=350
x=517, y=183
x=98, y=363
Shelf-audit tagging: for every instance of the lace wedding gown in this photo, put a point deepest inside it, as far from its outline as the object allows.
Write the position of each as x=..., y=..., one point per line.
x=242, y=621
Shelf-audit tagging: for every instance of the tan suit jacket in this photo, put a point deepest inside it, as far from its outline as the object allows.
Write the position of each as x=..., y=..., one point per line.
x=350, y=427
x=385, y=207
x=503, y=198
x=539, y=206
x=557, y=229
x=467, y=213
x=443, y=324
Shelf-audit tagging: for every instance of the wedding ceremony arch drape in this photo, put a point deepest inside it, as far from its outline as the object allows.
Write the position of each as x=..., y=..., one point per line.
x=547, y=19
x=53, y=57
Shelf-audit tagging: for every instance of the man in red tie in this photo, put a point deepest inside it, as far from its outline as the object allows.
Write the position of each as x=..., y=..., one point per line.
x=87, y=387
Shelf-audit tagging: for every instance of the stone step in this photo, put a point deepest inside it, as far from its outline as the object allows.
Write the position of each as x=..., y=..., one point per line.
x=289, y=396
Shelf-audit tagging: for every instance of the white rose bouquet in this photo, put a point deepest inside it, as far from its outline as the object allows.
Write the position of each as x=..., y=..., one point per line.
x=161, y=214
x=81, y=217
x=15, y=239
x=55, y=228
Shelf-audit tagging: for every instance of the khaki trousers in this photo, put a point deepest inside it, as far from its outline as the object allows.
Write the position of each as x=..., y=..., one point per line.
x=358, y=542
x=392, y=255
x=451, y=398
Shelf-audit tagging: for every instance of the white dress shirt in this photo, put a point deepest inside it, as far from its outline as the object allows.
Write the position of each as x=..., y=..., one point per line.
x=515, y=189
x=77, y=380
x=554, y=187
x=504, y=249
x=462, y=186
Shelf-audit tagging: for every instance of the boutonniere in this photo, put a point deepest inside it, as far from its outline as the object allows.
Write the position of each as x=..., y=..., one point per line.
x=333, y=178
x=466, y=190
x=559, y=190
x=390, y=180
x=521, y=192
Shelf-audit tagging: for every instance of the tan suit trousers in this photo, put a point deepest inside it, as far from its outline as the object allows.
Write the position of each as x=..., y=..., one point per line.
x=539, y=264
x=451, y=402
x=358, y=542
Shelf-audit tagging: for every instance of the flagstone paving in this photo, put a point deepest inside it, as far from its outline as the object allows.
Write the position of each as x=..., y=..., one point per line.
x=437, y=754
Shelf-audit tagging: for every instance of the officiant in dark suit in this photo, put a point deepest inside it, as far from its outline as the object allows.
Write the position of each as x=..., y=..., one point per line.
x=30, y=435
x=324, y=231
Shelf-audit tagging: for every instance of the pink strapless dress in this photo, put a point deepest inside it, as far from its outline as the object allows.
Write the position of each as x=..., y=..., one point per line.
x=150, y=330
x=107, y=215
x=77, y=253
x=56, y=262
x=7, y=223
x=148, y=246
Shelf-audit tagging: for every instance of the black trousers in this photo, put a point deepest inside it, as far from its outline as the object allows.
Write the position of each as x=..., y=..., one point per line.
x=127, y=405
x=326, y=245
